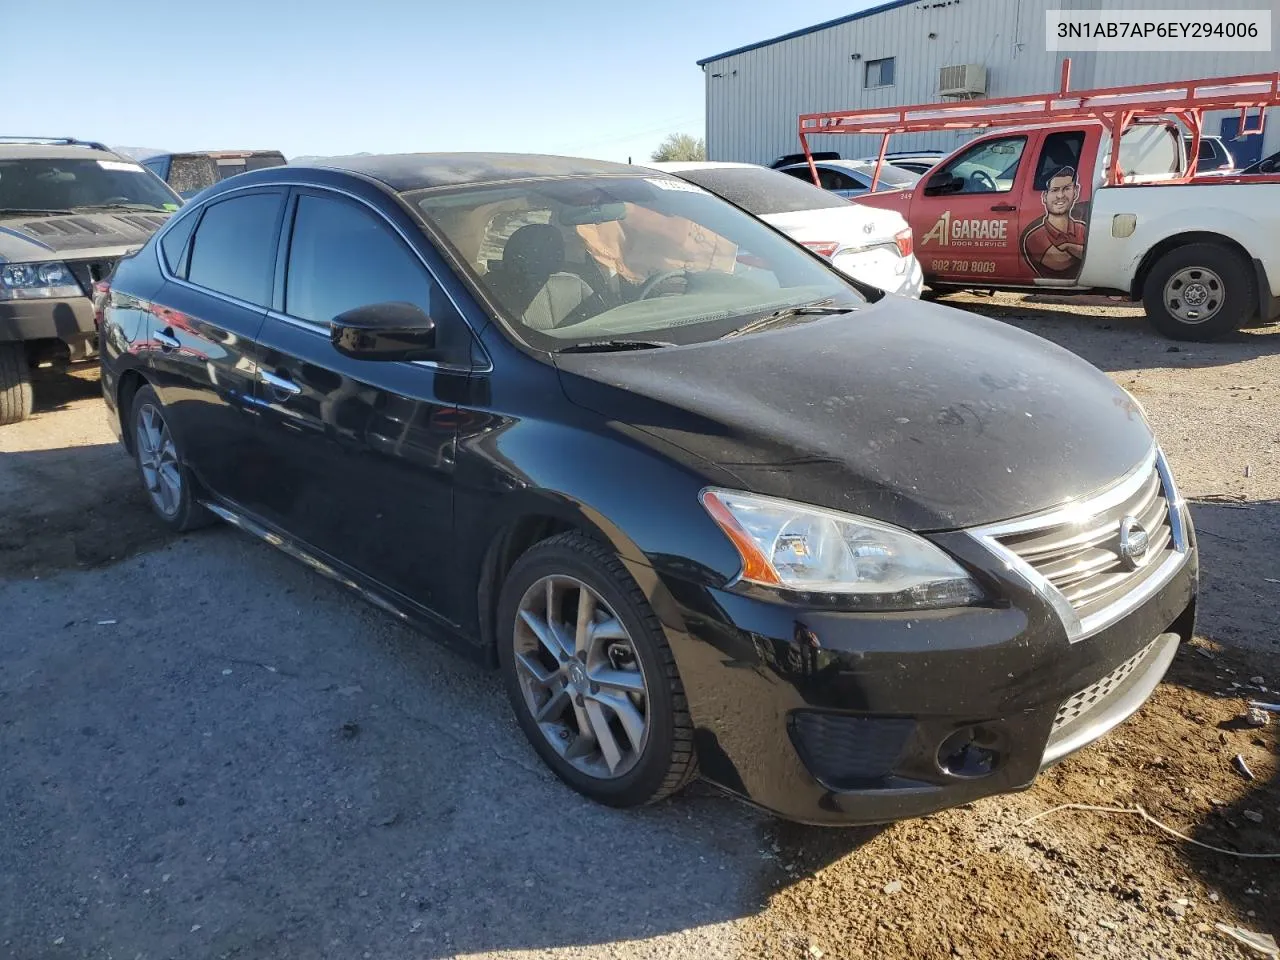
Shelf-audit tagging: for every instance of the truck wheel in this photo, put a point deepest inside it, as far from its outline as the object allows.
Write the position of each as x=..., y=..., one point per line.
x=15, y=383
x=1200, y=291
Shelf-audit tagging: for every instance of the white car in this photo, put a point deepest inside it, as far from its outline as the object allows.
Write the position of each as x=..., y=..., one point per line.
x=870, y=245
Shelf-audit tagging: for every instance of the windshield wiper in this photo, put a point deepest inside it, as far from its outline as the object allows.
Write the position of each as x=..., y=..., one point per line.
x=139, y=207
x=818, y=308
x=31, y=211
x=608, y=346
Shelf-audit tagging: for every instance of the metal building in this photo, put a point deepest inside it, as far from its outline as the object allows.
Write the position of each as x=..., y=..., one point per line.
x=911, y=51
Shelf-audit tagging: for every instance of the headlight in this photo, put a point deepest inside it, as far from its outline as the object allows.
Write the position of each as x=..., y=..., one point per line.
x=30, y=281
x=868, y=564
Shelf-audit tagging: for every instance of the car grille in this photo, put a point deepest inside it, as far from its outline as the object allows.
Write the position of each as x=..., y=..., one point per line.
x=1081, y=556
x=1096, y=694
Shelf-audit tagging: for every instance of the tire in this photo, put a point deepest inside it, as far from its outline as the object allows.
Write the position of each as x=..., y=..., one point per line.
x=159, y=461
x=1200, y=270
x=15, y=383
x=665, y=760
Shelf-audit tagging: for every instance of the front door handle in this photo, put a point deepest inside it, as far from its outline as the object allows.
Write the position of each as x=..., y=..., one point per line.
x=279, y=384
x=166, y=339
x=1004, y=208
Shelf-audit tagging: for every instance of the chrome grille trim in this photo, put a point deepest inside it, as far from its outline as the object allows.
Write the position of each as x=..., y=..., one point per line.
x=1163, y=492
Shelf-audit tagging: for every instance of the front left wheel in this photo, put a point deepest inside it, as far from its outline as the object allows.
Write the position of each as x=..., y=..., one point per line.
x=590, y=675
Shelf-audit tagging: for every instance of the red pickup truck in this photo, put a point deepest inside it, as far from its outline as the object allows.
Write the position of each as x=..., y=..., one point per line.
x=1042, y=198
x=1031, y=209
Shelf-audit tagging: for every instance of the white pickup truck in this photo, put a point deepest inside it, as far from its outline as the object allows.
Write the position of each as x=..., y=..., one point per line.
x=1035, y=208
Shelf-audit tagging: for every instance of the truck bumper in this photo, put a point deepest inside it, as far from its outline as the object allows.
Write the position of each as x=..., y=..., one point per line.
x=69, y=320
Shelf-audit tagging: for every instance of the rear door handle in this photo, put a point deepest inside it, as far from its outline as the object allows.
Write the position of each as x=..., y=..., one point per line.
x=166, y=339
x=280, y=384
x=1004, y=208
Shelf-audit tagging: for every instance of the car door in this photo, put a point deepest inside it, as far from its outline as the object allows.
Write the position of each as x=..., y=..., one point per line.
x=361, y=451
x=966, y=214
x=219, y=264
x=1053, y=221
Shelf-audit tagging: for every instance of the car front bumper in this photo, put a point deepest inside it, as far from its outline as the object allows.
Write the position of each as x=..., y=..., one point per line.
x=69, y=319
x=845, y=718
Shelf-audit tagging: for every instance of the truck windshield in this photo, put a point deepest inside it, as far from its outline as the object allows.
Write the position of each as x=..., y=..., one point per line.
x=583, y=259
x=75, y=184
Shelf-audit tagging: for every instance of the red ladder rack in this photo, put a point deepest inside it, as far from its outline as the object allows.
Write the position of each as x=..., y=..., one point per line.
x=1116, y=108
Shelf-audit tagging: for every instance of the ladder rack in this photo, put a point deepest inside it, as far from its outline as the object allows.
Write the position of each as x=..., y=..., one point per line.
x=1116, y=108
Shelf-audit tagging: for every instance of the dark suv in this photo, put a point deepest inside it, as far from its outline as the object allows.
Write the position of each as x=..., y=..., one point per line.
x=189, y=173
x=68, y=210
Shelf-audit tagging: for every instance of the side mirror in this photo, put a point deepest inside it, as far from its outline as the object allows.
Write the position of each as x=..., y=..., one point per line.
x=943, y=183
x=384, y=331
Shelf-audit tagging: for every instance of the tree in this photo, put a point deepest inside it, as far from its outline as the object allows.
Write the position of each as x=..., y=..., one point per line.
x=681, y=146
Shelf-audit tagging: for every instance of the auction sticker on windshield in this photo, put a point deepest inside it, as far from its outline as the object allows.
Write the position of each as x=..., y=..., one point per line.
x=684, y=185
x=119, y=165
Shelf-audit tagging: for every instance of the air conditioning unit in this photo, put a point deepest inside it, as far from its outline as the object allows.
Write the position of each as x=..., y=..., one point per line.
x=963, y=80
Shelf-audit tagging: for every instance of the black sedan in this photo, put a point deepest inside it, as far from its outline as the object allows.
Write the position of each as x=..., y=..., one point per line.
x=708, y=504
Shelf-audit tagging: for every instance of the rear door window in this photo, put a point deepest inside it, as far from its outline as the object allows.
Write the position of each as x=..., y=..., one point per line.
x=234, y=248
x=173, y=245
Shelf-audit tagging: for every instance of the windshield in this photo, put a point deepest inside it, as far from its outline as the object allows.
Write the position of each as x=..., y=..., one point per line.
x=763, y=192
x=654, y=258
x=80, y=183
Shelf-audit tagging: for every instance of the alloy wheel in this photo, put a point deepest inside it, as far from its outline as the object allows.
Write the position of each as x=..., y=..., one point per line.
x=158, y=458
x=581, y=678
x=1194, y=294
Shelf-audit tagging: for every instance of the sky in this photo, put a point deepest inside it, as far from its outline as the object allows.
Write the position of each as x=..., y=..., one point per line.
x=598, y=79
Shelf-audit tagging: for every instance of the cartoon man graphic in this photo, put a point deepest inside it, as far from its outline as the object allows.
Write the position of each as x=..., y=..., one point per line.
x=1054, y=245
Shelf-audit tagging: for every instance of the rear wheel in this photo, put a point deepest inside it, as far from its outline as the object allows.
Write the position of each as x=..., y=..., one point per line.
x=590, y=675
x=15, y=383
x=167, y=481
x=1200, y=291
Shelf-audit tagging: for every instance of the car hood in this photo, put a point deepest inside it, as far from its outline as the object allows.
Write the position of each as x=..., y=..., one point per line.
x=908, y=412
x=852, y=224
x=78, y=236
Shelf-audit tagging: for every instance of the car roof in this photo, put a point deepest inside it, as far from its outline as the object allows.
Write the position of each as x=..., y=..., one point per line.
x=54, y=151
x=422, y=171
x=678, y=166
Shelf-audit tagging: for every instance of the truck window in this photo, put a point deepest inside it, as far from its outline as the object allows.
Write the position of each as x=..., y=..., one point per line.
x=1060, y=150
x=1148, y=151
x=987, y=167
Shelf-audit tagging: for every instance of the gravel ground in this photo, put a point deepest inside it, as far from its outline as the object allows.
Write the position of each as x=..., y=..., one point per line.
x=211, y=752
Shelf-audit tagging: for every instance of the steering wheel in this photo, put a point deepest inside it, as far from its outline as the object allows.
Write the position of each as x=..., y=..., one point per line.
x=984, y=179
x=662, y=276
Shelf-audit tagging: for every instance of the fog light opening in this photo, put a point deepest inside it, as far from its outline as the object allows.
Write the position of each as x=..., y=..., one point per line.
x=968, y=754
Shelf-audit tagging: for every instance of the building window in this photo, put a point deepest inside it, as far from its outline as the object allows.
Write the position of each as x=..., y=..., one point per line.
x=880, y=73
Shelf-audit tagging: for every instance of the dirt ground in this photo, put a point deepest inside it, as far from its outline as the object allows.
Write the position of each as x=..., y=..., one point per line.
x=980, y=881
x=977, y=882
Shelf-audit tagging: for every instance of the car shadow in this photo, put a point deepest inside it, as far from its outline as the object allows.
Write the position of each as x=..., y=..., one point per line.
x=1114, y=334
x=259, y=764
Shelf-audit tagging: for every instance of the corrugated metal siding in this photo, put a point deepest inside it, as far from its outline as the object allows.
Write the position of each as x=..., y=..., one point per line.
x=753, y=99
